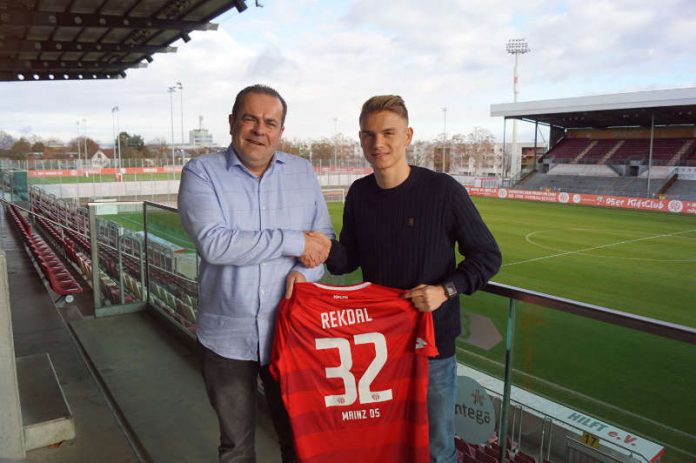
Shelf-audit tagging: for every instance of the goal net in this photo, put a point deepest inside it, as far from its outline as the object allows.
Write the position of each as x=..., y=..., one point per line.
x=334, y=195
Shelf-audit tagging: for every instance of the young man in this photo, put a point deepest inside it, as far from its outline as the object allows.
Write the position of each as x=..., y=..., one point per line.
x=247, y=210
x=400, y=226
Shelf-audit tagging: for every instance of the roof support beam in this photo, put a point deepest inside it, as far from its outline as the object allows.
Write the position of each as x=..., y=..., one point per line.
x=16, y=45
x=28, y=66
x=22, y=17
x=62, y=75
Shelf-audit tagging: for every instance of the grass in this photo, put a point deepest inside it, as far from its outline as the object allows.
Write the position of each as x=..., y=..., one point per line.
x=638, y=262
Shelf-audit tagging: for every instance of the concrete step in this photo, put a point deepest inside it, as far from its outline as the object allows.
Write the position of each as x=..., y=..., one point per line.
x=45, y=411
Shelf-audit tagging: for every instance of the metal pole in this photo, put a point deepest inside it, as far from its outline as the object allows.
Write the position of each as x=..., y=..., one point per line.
x=444, y=139
x=85, y=139
x=536, y=131
x=335, y=121
x=171, y=114
x=113, y=132
x=515, y=90
x=78, y=142
x=652, y=136
x=504, y=155
x=181, y=100
x=507, y=384
x=118, y=141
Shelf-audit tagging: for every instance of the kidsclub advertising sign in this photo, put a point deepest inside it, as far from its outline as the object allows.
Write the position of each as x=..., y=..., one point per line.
x=674, y=206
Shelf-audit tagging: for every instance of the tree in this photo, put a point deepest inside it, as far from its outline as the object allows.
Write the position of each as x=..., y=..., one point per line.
x=159, y=148
x=322, y=150
x=38, y=147
x=420, y=153
x=6, y=140
x=21, y=148
x=293, y=146
x=480, y=152
x=132, y=146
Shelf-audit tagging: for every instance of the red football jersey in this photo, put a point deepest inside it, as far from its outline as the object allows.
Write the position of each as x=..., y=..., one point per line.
x=353, y=370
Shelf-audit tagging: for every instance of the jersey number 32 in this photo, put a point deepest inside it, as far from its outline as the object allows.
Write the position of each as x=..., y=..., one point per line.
x=362, y=390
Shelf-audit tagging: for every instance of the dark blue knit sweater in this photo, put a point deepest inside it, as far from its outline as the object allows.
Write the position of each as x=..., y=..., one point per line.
x=404, y=236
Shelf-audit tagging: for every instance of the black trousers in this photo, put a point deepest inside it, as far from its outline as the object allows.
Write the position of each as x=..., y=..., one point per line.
x=231, y=386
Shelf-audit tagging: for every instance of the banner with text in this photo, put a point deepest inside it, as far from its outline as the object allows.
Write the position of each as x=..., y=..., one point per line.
x=675, y=206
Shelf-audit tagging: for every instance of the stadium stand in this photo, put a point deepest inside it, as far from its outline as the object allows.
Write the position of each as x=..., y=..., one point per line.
x=569, y=148
x=591, y=170
x=59, y=278
x=682, y=189
x=614, y=131
x=620, y=186
x=600, y=151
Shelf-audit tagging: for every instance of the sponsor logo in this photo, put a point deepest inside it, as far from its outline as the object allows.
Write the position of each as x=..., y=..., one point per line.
x=474, y=414
x=675, y=206
x=577, y=198
x=563, y=197
x=502, y=193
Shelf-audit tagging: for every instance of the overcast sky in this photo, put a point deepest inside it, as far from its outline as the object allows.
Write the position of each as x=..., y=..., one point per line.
x=326, y=57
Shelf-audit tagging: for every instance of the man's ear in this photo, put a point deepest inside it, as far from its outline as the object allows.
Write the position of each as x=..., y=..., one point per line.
x=231, y=121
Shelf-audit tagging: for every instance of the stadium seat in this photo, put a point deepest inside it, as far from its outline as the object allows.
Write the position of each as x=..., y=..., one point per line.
x=484, y=457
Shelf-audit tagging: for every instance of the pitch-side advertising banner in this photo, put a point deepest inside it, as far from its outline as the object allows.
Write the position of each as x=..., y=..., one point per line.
x=101, y=171
x=644, y=204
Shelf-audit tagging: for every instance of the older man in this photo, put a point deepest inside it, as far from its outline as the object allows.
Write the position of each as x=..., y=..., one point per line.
x=248, y=209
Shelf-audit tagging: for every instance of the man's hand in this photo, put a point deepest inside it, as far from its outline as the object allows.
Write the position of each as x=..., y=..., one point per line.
x=426, y=298
x=293, y=277
x=316, y=249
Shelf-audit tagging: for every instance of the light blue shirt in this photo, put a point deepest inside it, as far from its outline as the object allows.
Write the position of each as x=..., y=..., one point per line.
x=249, y=232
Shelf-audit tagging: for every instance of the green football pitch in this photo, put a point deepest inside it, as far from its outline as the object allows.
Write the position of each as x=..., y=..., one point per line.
x=639, y=262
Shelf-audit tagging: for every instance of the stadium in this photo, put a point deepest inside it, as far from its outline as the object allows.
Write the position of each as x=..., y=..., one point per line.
x=581, y=349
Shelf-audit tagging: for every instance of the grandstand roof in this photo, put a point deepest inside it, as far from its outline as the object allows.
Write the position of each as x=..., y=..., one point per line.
x=95, y=39
x=670, y=107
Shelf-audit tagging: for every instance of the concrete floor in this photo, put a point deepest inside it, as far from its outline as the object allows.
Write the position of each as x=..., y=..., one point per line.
x=132, y=383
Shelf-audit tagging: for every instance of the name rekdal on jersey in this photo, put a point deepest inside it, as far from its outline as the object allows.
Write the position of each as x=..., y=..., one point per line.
x=344, y=317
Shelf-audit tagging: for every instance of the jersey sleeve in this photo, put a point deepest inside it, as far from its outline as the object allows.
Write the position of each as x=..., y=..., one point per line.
x=425, y=338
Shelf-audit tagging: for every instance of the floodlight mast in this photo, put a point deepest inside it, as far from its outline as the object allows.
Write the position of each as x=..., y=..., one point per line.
x=515, y=47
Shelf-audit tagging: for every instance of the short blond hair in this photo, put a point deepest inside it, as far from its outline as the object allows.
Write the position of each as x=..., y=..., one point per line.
x=393, y=103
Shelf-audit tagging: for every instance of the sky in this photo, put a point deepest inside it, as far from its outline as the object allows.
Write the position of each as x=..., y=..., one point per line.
x=326, y=57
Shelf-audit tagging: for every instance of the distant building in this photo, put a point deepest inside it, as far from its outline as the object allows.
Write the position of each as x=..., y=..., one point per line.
x=101, y=159
x=200, y=137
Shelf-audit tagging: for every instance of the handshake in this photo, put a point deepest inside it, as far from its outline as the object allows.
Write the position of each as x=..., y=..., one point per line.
x=316, y=249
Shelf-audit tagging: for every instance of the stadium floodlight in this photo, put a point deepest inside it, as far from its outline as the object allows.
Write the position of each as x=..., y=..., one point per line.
x=515, y=47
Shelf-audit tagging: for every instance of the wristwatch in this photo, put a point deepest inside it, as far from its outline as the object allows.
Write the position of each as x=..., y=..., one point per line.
x=450, y=290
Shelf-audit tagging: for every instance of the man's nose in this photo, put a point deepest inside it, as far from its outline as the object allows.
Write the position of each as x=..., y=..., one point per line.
x=259, y=128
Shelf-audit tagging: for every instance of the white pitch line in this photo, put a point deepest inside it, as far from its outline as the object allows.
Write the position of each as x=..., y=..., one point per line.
x=609, y=245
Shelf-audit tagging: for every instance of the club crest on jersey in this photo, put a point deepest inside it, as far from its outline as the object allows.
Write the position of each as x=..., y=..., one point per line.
x=420, y=343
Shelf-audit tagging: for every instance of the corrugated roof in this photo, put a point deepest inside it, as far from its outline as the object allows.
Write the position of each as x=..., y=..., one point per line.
x=95, y=39
x=669, y=107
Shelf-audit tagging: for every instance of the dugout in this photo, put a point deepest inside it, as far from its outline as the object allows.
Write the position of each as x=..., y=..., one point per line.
x=637, y=119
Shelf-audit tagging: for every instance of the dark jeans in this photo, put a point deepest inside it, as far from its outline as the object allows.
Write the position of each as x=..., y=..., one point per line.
x=231, y=386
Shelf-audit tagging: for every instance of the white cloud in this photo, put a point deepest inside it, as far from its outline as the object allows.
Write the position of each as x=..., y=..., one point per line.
x=327, y=57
